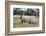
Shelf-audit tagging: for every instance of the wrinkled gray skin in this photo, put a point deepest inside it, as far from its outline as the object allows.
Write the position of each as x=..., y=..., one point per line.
x=26, y=19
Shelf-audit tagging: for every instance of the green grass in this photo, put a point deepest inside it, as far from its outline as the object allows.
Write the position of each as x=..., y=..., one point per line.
x=17, y=23
x=16, y=17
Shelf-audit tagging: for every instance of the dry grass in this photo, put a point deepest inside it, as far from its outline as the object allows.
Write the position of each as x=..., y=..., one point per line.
x=17, y=23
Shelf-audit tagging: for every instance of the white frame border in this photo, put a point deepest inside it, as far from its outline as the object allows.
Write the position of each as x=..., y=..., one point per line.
x=26, y=28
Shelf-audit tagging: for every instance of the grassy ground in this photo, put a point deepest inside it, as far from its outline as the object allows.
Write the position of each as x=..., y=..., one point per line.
x=17, y=23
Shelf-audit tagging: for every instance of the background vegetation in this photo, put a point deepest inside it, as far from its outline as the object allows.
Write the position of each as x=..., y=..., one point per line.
x=21, y=11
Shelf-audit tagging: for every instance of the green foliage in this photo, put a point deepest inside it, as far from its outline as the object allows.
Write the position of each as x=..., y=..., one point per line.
x=19, y=11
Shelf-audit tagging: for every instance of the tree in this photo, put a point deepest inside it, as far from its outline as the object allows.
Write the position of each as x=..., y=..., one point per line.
x=30, y=12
